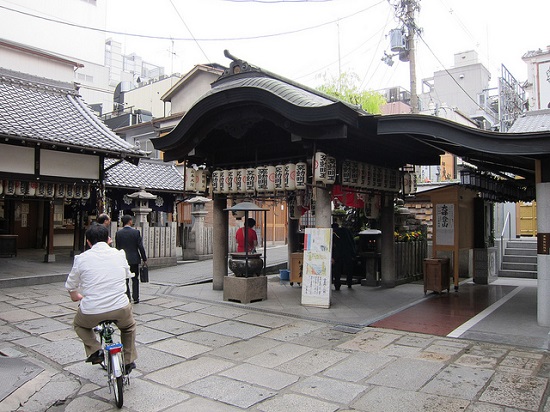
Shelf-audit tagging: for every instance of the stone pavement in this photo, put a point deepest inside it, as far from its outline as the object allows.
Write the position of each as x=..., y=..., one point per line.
x=218, y=356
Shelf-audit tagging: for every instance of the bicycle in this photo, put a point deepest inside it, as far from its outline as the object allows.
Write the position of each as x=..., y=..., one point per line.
x=113, y=360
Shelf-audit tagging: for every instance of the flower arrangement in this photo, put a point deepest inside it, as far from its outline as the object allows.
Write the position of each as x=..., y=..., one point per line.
x=408, y=236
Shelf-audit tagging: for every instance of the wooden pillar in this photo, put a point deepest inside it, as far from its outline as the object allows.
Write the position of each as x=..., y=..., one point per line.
x=387, y=226
x=323, y=210
x=220, y=242
x=50, y=256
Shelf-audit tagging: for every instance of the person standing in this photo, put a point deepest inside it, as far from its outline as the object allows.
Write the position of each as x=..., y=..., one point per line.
x=129, y=240
x=343, y=253
x=98, y=281
x=252, y=237
x=105, y=220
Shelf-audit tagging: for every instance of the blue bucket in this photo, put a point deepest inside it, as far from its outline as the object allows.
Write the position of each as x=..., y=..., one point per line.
x=284, y=274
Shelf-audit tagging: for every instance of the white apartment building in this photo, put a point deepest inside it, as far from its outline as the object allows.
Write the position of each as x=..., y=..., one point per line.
x=538, y=78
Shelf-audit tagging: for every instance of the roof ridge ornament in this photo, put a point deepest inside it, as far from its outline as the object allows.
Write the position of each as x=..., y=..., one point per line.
x=237, y=66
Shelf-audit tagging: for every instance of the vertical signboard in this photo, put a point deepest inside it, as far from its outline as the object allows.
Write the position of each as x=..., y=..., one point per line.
x=445, y=224
x=316, y=272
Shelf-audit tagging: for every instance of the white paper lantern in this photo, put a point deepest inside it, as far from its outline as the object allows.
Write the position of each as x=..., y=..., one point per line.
x=69, y=193
x=393, y=180
x=320, y=167
x=279, y=178
x=231, y=186
x=354, y=174
x=1, y=187
x=19, y=190
x=77, y=191
x=270, y=178
x=86, y=191
x=32, y=188
x=346, y=173
x=224, y=181
x=216, y=181
x=262, y=179
x=60, y=190
x=330, y=176
x=200, y=180
x=301, y=175
x=289, y=177
x=9, y=187
x=190, y=179
x=378, y=177
x=239, y=182
x=409, y=183
x=250, y=186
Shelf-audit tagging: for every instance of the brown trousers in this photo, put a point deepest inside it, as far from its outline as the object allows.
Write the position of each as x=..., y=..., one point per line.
x=124, y=319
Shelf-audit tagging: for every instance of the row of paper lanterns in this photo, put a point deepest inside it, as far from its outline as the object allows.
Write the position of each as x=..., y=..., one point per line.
x=293, y=176
x=41, y=189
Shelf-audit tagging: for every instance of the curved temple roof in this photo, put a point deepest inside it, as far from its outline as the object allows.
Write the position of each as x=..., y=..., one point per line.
x=252, y=116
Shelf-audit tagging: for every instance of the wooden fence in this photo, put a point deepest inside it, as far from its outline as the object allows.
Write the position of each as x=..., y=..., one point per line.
x=409, y=258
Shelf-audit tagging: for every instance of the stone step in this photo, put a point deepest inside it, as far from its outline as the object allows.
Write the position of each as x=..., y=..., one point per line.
x=532, y=267
x=519, y=244
x=519, y=259
x=525, y=274
x=518, y=251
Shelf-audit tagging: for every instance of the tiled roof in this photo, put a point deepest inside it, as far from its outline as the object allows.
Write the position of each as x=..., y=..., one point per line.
x=151, y=174
x=41, y=110
x=535, y=121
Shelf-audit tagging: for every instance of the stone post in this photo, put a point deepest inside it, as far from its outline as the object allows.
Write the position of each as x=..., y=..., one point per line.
x=387, y=226
x=323, y=210
x=220, y=242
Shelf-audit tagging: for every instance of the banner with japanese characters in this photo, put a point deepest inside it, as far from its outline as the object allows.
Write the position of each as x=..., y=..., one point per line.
x=445, y=224
x=316, y=274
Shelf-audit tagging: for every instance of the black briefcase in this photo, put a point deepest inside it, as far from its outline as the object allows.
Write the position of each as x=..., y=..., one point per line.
x=144, y=274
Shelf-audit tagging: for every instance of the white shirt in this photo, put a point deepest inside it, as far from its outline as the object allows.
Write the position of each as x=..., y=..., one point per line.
x=100, y=274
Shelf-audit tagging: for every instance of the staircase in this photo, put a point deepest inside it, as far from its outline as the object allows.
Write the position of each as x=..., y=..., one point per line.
x=519, y=259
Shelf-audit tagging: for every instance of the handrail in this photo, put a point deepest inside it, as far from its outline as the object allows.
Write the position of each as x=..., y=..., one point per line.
x=506, y=223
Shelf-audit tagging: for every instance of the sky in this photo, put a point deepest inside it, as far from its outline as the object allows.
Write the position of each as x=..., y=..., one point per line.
x=306, y=41
x=331, y=37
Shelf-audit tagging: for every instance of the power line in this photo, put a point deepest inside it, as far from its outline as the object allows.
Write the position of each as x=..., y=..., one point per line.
x=450, y=75
x=189, y=30
x=145, y=36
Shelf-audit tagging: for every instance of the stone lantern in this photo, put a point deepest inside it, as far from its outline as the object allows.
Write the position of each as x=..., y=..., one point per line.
x=196, y=245
x=142, y=209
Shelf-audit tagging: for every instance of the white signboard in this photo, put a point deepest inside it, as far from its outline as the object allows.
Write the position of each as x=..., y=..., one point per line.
x=445, y=224
x=316, y=272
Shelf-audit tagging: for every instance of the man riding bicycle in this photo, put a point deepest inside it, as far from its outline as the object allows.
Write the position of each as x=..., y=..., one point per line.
x=98, y=281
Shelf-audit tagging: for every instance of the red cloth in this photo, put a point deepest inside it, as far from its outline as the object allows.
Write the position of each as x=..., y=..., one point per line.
x=252, y=239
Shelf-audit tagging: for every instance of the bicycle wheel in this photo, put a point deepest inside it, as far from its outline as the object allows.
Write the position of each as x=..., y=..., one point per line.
x=115, y=365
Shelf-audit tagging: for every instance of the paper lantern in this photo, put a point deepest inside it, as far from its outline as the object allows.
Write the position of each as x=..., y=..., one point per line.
x=320, y=167
x=330, y=177
x=50, y=190
x=301, y=175
x=270, y=178
x=239, y=181
x=19, y=190
x=354, y=174
x=230, y=180
x=32, y=188
x=190, y=179
x=1, y=187
x=279, y=179
x=409, y=183
x=261, y=178
x=224, y=181
x=346, y=173
x=85, y=191
x=200, y=180
x=250, y=186
x=60, y=190
x=77, y=192
x=69, y=191
x=216, y=181
x=289, y=177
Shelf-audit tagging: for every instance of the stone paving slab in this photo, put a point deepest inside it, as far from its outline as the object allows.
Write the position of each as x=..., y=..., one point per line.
x=198, y=404
x=521, y=392
x=199, y=319
x=407, y=374
x=384, y=399
x=357, y=366
x=312, y=362
x=172, y=326
x=180, y=347
x=260, y=376
x=278, y=355
x=331, y=390
x=229, y=391
x=293, y=402
x=214, y=340
x=459, y=382
x=236, y=329
x=150, y=360
x=244, y=349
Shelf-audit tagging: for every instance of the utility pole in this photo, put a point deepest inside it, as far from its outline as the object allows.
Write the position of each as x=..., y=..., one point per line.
x=403, y=42
x=412, y=6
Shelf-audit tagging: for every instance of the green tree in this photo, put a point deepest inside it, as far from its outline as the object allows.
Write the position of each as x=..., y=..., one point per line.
x=345, y=87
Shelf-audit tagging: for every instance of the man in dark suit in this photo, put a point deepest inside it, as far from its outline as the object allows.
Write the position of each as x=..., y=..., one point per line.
x=129, y=239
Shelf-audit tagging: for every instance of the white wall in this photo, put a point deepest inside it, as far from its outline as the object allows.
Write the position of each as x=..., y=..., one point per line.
x=55, y=37
x=193, y=90
x=35, y=65
x=148, y=96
